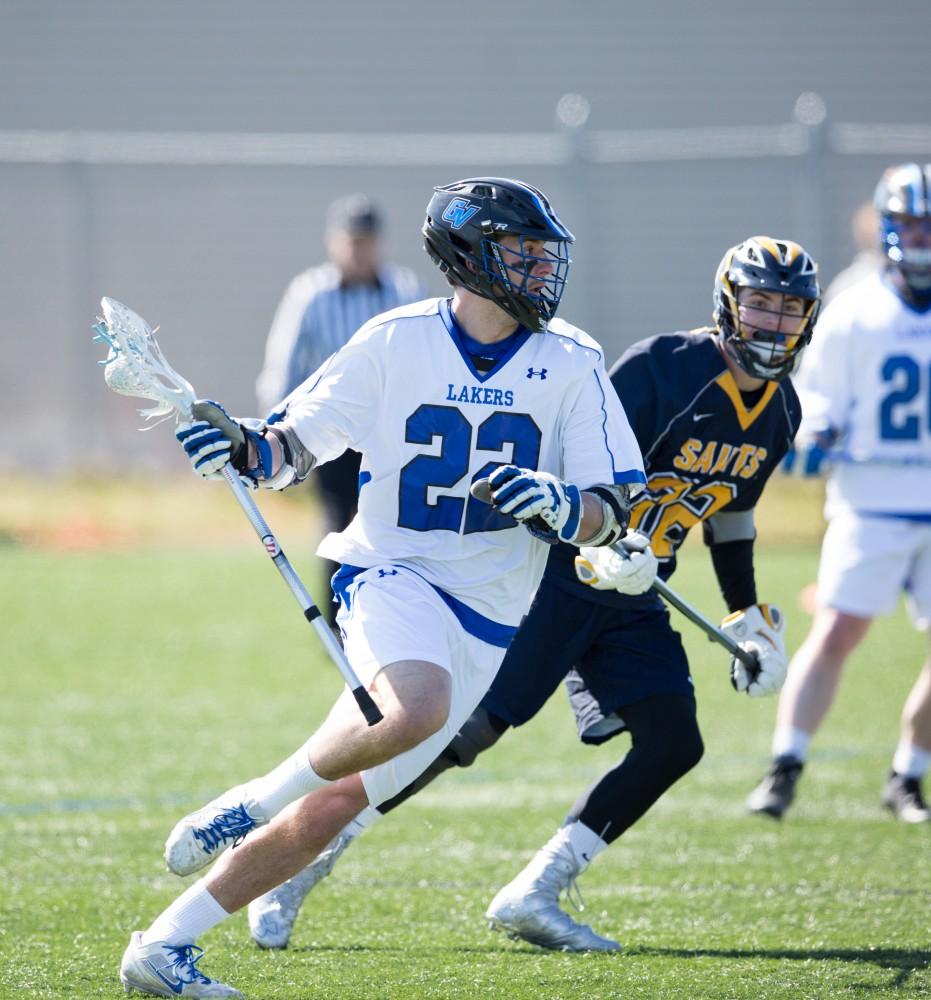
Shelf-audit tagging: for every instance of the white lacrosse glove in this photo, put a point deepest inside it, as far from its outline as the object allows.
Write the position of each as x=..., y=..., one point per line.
x=214, y=439
x=525, y=495
x=603, y=568
x=758, y=629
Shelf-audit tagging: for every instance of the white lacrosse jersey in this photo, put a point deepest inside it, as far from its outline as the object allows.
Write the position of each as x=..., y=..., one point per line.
x=405, y=393
x=867, y=374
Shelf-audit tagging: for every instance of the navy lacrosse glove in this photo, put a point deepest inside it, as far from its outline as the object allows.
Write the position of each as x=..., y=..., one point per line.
x=214, y=439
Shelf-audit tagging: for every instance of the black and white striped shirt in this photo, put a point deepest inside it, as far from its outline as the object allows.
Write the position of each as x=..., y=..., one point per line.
x=317, y=315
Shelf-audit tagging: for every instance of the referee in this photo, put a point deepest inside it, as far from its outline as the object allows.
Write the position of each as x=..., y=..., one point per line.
x=320, y=310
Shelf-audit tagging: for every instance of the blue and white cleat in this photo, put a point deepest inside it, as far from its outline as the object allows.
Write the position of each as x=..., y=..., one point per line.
x=163, y=970
x=202, y=836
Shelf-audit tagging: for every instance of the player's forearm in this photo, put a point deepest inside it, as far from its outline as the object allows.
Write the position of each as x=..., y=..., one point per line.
x=593, y=518
x=605, y=514
x=733, y=566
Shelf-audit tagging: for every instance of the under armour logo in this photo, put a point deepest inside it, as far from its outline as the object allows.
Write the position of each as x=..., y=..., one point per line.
x=542, y=373
x=382, y=573
x=458, y=212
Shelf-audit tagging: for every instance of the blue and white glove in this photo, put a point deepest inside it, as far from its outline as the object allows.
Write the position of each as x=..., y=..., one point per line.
x=214, y=439
x=525, y=495
x=603, y=568
x=758, y=629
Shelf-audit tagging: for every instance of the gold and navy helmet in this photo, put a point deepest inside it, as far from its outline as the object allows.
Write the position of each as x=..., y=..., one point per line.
x=902, y=200
x=465, y=221
x=771, y=265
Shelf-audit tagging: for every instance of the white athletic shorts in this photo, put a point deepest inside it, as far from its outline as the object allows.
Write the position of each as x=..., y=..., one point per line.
x=866, y=562
x=393, y=615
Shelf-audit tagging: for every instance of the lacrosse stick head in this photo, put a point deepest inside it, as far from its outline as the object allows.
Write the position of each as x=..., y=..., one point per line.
x=135, y=365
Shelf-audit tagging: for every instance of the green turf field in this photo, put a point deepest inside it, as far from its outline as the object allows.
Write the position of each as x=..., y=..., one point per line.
x=137, y=684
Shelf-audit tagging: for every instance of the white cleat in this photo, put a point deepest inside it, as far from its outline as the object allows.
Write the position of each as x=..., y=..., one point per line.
x=902, y=797
x=163, y=970
x=528, y=907
x=272, y=916
x=202, y=836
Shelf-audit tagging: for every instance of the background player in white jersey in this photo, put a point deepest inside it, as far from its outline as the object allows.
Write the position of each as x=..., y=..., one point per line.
x=321, y=309
x=865, y=394
x=433, y=583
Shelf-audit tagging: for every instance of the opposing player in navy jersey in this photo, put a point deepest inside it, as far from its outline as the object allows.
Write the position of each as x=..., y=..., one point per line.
x=433, y=582
x=864, y=389
x=714, y=414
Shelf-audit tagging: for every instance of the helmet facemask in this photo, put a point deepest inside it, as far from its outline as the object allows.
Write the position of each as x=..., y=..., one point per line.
x=512, y=283
x=768, y=338
x=898, y=234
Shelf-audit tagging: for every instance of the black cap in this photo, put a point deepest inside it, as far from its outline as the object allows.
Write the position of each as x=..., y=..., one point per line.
x=354, y=214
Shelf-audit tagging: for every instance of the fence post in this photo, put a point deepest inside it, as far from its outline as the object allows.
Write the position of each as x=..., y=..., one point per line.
x=810, y=113
x=572, y=113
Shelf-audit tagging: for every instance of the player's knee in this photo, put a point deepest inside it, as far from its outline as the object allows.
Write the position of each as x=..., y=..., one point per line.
x=479, y=732
x=689, y=748
x=419, y=720
x=837, y=635
x=669, y=739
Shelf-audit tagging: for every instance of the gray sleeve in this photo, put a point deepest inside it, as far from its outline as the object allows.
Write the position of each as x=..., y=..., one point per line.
x=730, y=526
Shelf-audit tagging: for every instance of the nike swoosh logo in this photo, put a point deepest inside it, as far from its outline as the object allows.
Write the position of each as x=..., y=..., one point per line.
x=176, y=987
x=700, y=416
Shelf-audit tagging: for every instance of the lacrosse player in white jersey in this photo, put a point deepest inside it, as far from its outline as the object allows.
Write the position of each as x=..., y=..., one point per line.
x=865, y=387
x=433, y=582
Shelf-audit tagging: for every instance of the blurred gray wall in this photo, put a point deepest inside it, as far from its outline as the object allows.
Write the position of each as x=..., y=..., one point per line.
x=179, y=156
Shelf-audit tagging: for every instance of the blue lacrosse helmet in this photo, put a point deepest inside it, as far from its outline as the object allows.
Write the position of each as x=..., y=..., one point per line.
x=903, y=203
x=462, y=232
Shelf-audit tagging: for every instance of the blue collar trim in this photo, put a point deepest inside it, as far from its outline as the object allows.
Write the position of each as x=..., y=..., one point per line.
x=502, y=350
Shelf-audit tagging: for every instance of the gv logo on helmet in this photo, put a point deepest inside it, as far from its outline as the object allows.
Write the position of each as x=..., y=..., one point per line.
x=458, y=212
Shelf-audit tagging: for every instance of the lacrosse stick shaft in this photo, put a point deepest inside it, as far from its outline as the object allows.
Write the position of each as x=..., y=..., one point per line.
x=709, y=628
x=681, y=605
x=311, y=612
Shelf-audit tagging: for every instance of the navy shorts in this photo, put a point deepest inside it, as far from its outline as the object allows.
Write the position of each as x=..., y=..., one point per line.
x=613, y=657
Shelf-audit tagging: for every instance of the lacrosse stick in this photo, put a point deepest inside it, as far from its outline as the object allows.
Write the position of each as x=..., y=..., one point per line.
x=135, y=366
x=481, y=491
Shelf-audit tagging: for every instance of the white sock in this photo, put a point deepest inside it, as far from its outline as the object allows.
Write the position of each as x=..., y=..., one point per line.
x=911, y=761
x=791, y=742
x=193, y=913
x=585, y=843
x=368, y=817
x=289, y=781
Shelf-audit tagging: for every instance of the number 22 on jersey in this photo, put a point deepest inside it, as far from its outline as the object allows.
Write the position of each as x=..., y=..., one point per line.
x=447, y=469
